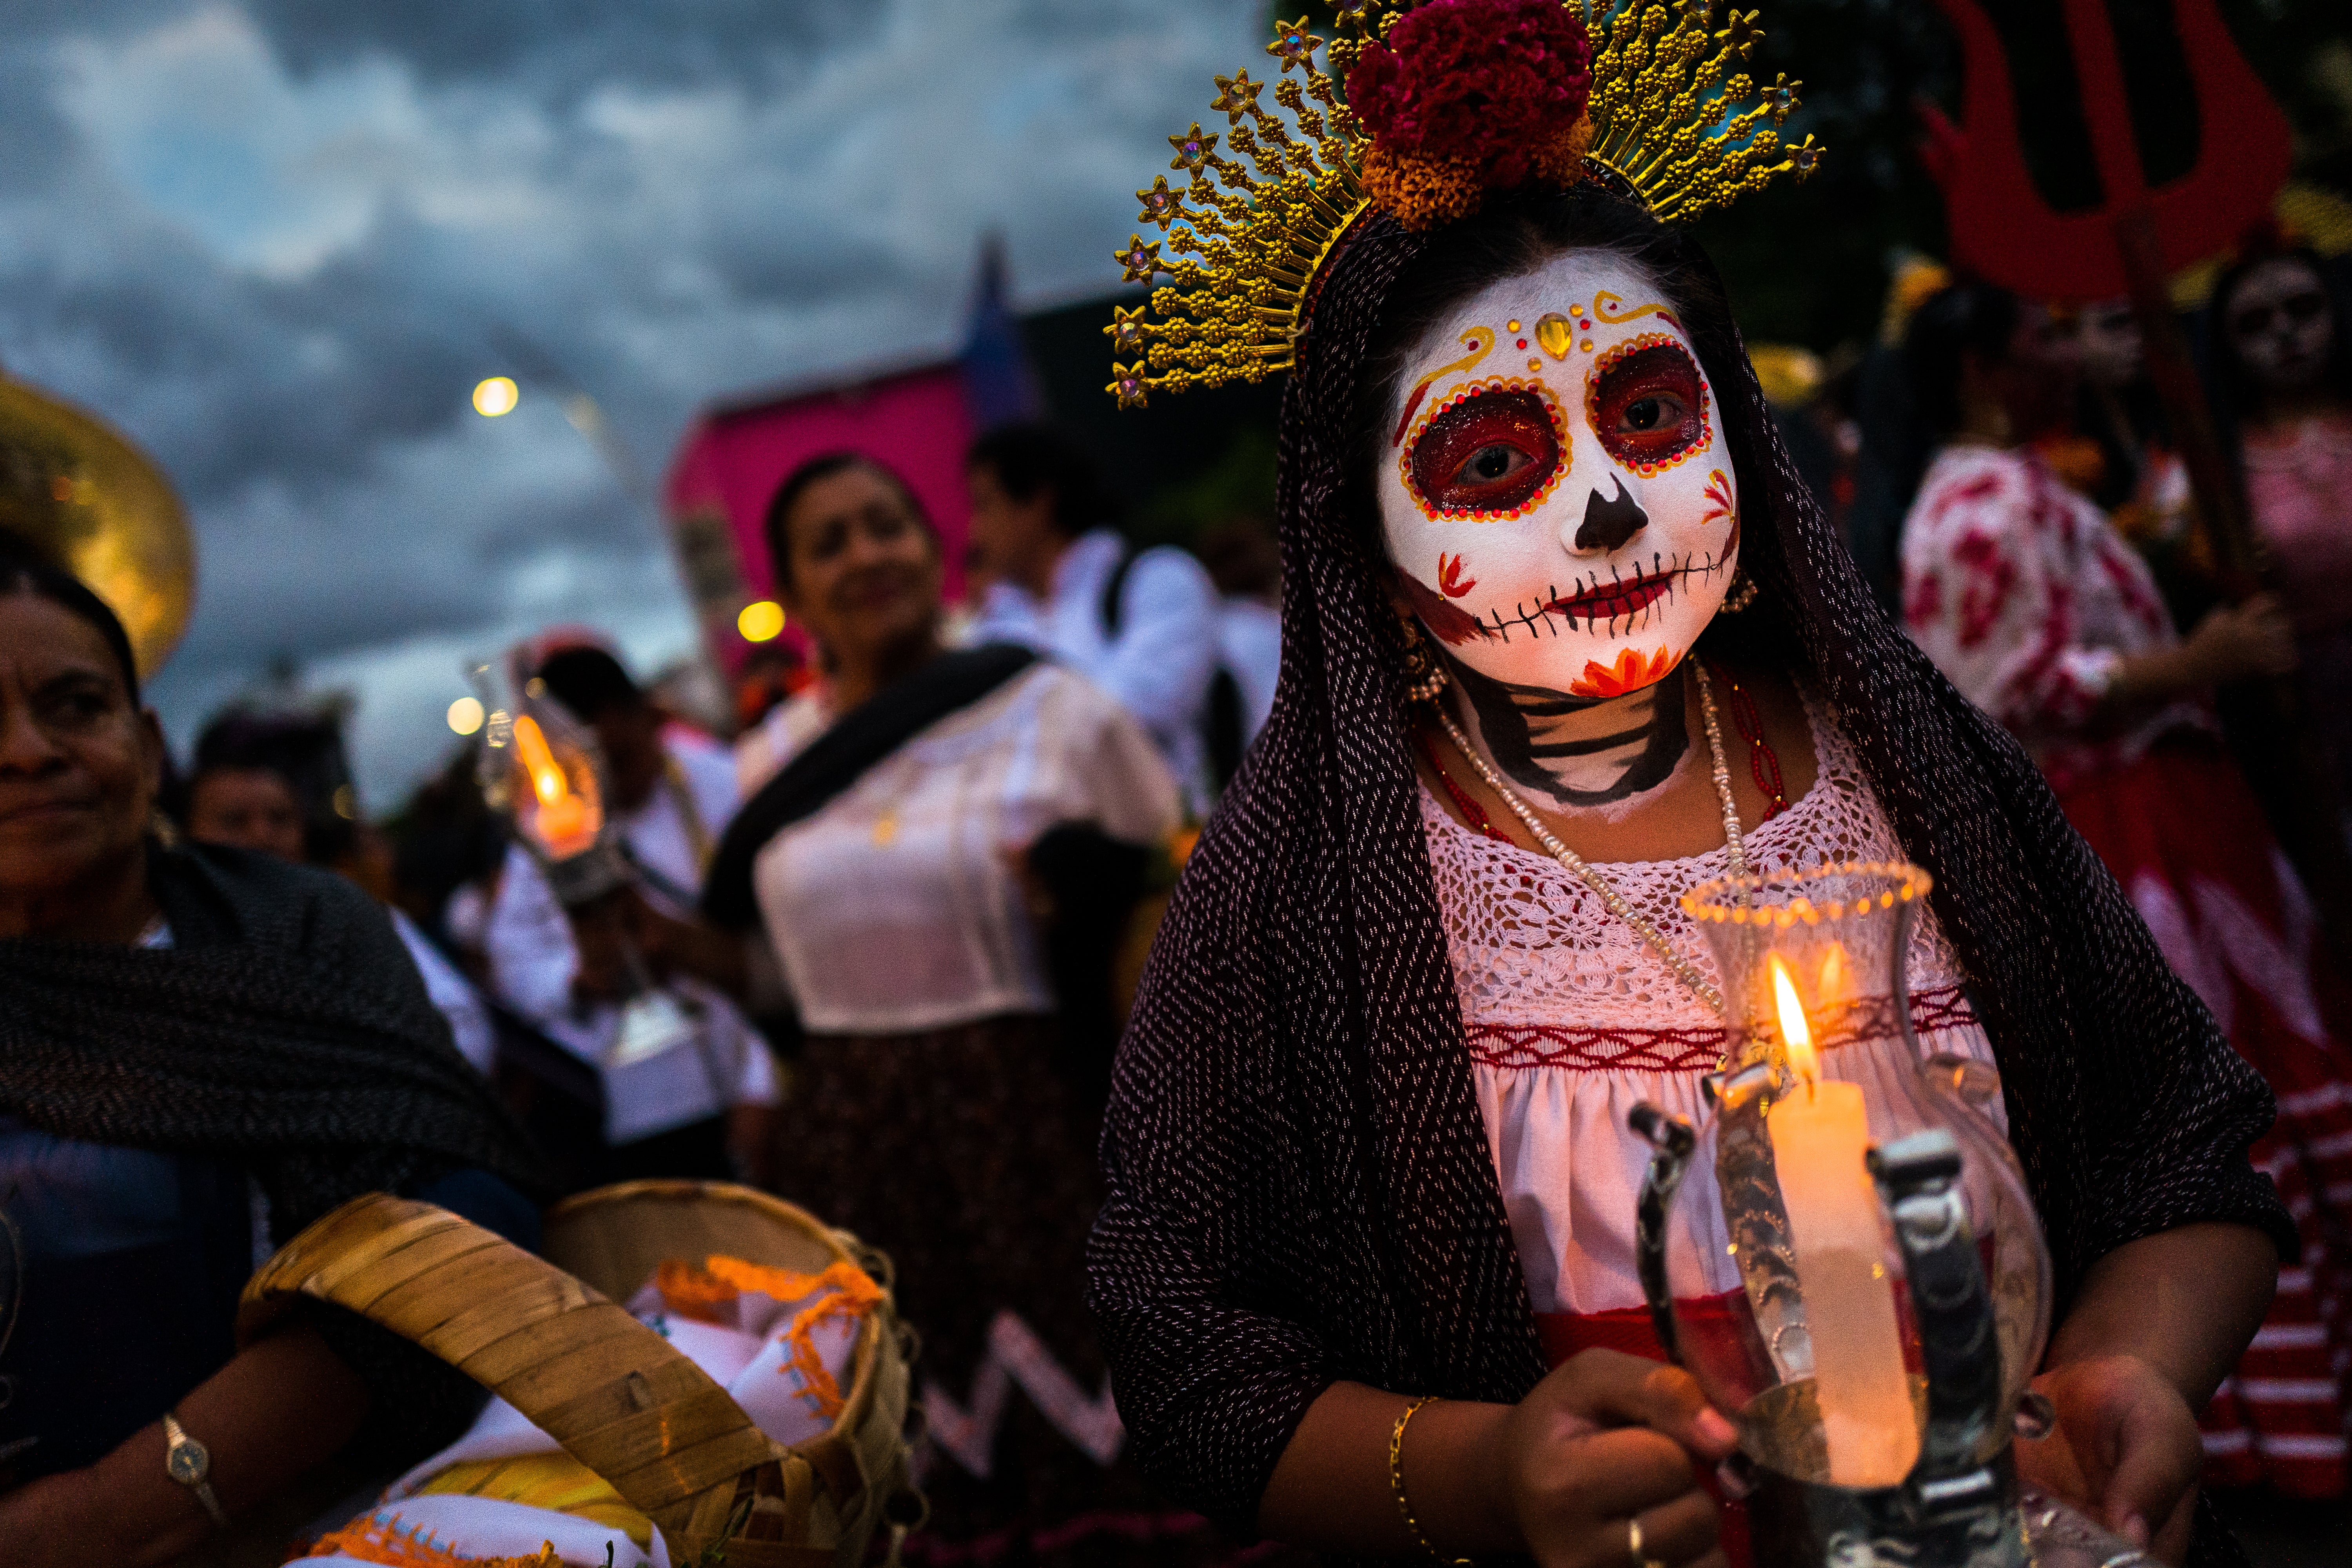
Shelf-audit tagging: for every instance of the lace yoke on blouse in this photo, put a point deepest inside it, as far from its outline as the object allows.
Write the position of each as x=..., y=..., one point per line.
x=1571, y=1019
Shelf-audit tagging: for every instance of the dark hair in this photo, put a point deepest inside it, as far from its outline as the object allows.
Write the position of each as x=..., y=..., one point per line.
x=1950, y=324
x=305, y=750
x=589, y=682
x=2234, y=394
x=21, y=572
x=1031, y=458
x=1510, y=238
x=808, y=473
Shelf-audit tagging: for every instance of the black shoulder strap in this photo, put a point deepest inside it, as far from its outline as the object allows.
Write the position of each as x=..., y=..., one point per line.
x=839, y=758
x=1113, y=609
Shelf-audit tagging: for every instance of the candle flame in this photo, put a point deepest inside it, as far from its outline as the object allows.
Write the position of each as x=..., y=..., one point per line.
x=565, y=822
x=1796, y=1033
x=546, y=778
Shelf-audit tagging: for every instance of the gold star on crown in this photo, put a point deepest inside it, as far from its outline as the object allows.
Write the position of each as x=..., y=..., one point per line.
x=1678, y=124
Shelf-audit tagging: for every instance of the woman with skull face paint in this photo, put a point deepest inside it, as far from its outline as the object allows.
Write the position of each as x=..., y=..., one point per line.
x=2282, y=373
x=1366, y=1142
x=2040, y=612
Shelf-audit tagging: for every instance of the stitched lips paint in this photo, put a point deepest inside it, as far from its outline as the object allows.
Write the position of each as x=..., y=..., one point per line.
x=1587, y=501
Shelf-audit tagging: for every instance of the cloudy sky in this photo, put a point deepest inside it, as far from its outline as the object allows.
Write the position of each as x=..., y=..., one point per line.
x=277, y=241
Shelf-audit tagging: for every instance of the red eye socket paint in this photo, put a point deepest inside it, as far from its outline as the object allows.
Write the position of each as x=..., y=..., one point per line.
x=1491, y=452
x=1648, y=404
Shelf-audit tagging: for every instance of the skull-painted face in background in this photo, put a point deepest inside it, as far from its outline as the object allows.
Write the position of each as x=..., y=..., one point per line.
x=2280, y=321
x=1557, y=494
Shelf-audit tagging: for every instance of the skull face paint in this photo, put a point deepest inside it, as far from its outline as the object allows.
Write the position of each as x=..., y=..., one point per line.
x=1587, y=504
x=2281, y=324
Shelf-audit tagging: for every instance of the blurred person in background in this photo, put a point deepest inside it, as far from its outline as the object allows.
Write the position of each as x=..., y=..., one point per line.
x=703, y=1106
x=1055, y=577
x=2282, y=361
x=1245, y=564
x=938, y=868
x=202, y=1051
x=447, y=847
x=2123, y=458
x=1892, y=447
x=2023, y=594
x=244, y=790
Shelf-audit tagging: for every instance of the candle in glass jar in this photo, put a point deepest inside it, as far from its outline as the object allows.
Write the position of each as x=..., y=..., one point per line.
x=563, y=823
x=1819, y=1133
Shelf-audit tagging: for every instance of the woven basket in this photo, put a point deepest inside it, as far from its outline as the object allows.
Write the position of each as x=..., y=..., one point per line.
x=550, y=1338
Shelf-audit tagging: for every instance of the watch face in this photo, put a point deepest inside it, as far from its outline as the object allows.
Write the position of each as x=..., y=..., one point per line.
x=188, y=1461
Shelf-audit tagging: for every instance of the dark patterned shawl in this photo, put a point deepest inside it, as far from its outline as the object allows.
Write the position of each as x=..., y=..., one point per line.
x=285, y=1033
x=1300, y=1188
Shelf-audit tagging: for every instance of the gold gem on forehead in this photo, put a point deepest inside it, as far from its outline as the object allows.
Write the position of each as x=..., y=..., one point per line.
x=1554, y=334
x=1679, y=125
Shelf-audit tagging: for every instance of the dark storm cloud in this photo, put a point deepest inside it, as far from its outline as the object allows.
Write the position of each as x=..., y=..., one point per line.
x=230, y=377
x=36, y=143
x=560, y=47
x=278, y=240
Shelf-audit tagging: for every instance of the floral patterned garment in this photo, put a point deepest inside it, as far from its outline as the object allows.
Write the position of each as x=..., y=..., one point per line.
x=2029, y=601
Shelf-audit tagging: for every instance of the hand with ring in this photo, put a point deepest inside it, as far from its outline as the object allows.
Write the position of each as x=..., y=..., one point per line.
x=1601, y=1466
x=1640, y=1559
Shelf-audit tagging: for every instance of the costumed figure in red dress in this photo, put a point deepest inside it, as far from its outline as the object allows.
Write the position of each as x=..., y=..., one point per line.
x=2044, y=617
x=1563, y=633
x=2282, y=360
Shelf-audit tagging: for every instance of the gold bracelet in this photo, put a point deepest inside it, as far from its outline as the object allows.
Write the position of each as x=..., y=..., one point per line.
x=1396, y=1485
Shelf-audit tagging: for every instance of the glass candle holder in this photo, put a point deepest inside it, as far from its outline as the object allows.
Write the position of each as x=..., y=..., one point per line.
x=543, y=769
x=1863, y=1287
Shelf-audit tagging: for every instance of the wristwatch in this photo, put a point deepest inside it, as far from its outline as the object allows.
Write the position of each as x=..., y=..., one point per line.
x=190, y=1463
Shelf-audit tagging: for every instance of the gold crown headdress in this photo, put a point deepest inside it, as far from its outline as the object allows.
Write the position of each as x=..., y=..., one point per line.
x=1645, y=101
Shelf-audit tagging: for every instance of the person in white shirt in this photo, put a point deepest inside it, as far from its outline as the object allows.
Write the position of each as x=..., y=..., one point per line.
x=1143, y=626
x=1245, y=564
x=702, y=1107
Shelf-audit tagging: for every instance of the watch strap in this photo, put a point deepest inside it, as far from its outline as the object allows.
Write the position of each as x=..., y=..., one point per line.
x=176, y=1441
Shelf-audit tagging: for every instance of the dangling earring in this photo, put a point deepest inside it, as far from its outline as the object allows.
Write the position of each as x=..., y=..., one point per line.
x=1742, y=593
x=1424, y=672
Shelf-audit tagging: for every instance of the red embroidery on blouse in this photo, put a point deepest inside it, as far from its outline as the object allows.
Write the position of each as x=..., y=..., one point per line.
x=1527, y=1047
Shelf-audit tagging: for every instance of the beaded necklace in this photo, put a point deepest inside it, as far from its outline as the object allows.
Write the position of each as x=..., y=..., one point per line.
x=1578, y=866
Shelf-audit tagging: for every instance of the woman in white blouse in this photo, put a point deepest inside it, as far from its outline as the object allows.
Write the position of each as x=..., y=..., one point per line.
x=886, y=853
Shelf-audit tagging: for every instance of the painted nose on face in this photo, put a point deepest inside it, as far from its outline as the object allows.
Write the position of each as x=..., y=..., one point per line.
x=1609, y=520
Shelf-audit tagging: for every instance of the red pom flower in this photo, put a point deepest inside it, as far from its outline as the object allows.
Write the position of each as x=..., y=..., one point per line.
x=1468, y=96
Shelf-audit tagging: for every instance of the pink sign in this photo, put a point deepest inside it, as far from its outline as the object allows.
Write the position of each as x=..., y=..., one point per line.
x=914, y=421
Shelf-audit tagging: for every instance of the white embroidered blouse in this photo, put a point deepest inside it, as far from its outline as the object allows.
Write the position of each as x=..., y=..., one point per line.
x=1572, y=1020
x=895, y=909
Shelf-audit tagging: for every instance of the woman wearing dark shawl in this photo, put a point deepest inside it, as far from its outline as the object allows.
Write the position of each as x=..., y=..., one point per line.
x=1358, y=1151
x=201, y=1052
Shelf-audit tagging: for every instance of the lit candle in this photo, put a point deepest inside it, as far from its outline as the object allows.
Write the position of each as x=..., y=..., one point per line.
x=1819, y=1133
x=564, y=824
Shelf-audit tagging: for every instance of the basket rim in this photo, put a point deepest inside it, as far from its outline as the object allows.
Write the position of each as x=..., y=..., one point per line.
x=864, y=1355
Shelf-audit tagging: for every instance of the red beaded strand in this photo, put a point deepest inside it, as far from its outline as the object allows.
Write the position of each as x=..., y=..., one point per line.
x=1763, y=763
x=1472, y=812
